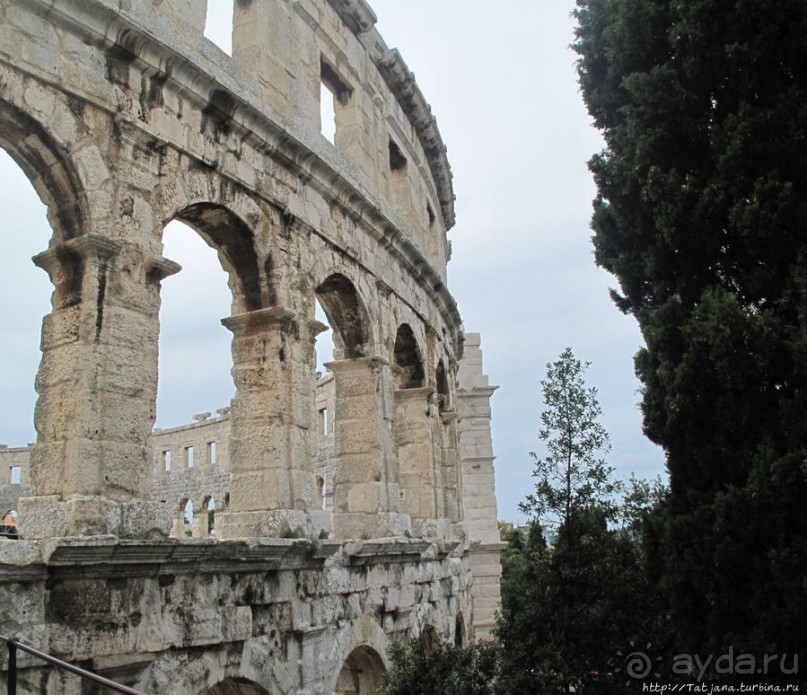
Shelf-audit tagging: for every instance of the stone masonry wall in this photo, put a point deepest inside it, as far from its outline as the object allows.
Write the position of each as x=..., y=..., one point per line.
x=124, y=117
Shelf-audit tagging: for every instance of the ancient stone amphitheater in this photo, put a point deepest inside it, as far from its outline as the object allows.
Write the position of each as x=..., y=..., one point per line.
x=347, y=509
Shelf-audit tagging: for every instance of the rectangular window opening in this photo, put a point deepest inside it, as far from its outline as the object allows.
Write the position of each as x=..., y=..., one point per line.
x=323, y=422
x=431, y=215
x=16, y=475
x=327, y=114
x=397, y=161
x=189, y=456
x=219, y=25
x=333, y=94
x=167, y=461
x=212, y=453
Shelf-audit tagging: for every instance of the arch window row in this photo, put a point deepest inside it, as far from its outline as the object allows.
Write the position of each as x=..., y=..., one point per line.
x=252, y=291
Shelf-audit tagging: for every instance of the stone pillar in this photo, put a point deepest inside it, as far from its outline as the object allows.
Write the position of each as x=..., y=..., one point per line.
x=97, y=382
x=478, y=485
x=366, y=489
x=271, y=448
x=419, y=476
x=447, y=437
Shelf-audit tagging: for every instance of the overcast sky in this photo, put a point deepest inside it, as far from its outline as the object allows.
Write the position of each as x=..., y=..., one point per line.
x=501, y=81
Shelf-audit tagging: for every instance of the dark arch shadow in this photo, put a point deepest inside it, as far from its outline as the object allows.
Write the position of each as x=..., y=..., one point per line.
x=407, y=359
x=346, y=314
x=459, y=631
x=47, y=167
x=362, y=672
x=232, y=238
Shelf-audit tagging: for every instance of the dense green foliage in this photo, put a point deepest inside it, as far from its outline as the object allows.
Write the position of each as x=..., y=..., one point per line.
x=421, y=668
x=701, y=215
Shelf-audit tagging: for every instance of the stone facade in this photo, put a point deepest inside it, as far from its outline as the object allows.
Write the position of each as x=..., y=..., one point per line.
x=328, y=541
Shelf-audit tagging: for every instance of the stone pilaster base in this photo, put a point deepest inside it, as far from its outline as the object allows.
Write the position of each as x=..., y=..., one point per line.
x=361, y=526
x=52, y=517
x=486, y=568
x=277, y=523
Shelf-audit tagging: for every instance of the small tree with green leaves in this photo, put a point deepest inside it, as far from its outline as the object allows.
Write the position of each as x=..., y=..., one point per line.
x=573, y=476
x=441, y=667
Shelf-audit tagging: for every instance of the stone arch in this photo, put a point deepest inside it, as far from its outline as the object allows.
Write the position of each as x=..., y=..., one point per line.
x=48, y=167
x=460, y=639
x=362, y=672
x=179, y=526
x=236, y=686
x=347, y=314
x=233, y=239
x=8, y=524
x=407, y=358
x=363, y=634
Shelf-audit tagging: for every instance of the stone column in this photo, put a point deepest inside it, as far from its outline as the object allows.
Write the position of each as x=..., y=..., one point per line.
x=91, y=467
x=447, y=436
x=366, y=489
x=419, y=478
x=478, y=485
x=271, y=449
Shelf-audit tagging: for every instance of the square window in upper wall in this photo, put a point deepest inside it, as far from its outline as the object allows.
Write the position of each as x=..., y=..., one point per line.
x=167, y=461
x=212, y=453
x=16, y=475
x=189, y=456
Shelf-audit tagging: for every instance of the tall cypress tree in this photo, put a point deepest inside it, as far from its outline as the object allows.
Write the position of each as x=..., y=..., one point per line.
x=701, y=215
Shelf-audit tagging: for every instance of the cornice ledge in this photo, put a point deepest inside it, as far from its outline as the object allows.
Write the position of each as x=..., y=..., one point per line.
x=357, y=14
x=401, y=82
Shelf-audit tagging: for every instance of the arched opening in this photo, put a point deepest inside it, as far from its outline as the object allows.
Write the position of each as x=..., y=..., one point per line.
x=325, y=346
x=210, y=505
x=186, y=507
x=459, y=631
x=407, y=359
x=26, y=232
x=236, y=686
x=346, y=315
x=215, y=251
x=183, y=523
x=362, y=672
x=8, y=525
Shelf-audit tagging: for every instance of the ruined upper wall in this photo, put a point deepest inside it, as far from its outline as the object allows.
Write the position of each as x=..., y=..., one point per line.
x=388, y=154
